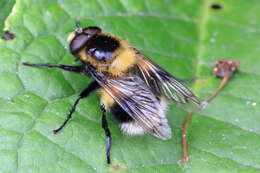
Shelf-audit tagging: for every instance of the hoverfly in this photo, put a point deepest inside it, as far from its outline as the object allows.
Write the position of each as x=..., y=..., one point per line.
x=133, y=89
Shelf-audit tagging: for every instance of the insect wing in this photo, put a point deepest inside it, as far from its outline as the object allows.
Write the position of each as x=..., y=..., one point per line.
x=135, y=98
x=164, y=83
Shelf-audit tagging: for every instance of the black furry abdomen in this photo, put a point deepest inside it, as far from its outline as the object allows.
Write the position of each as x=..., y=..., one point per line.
x=119, y=114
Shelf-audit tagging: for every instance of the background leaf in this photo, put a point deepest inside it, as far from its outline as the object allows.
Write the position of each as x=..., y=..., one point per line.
x=184, y=36
x=5, y=9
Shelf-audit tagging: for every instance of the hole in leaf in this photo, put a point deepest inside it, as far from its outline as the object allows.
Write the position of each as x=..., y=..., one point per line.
x=216, y=6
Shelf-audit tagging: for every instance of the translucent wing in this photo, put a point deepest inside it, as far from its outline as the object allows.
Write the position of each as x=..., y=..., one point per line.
x=133, y=95
x=162, y=82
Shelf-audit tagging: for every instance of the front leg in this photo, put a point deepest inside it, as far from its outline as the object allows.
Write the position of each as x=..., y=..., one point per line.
x=77, y=69
x=107, y=133
x=86, y=92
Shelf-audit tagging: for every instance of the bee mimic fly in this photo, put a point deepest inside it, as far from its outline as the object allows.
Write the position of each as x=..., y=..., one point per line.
x=133, y=89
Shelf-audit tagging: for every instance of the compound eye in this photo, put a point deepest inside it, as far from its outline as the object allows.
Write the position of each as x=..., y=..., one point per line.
x=78, y=42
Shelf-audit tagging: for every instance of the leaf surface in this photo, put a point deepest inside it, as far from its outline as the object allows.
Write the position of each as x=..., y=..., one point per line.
x=185, y=37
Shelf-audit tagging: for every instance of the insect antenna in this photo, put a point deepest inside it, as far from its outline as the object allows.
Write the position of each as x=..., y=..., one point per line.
x=77, y=25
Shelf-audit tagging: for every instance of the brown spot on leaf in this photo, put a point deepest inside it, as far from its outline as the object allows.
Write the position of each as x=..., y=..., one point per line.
x=8, y=35
x=118, y=167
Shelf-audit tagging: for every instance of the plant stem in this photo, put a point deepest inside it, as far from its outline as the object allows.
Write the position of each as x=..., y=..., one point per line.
x=184, y=137
x=189, y=116
x=219, y=88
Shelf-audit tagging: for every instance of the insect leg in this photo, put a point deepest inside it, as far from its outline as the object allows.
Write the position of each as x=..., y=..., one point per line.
x=60, y=66
x=92, y=87
x=107, y=133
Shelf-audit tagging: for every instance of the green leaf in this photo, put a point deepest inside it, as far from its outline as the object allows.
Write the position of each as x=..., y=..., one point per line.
x=184, y=37
x=5, y=9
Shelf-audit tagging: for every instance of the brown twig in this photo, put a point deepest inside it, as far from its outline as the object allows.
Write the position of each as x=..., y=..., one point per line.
x=219, y=88
x=223, y=69
x=184, y=137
